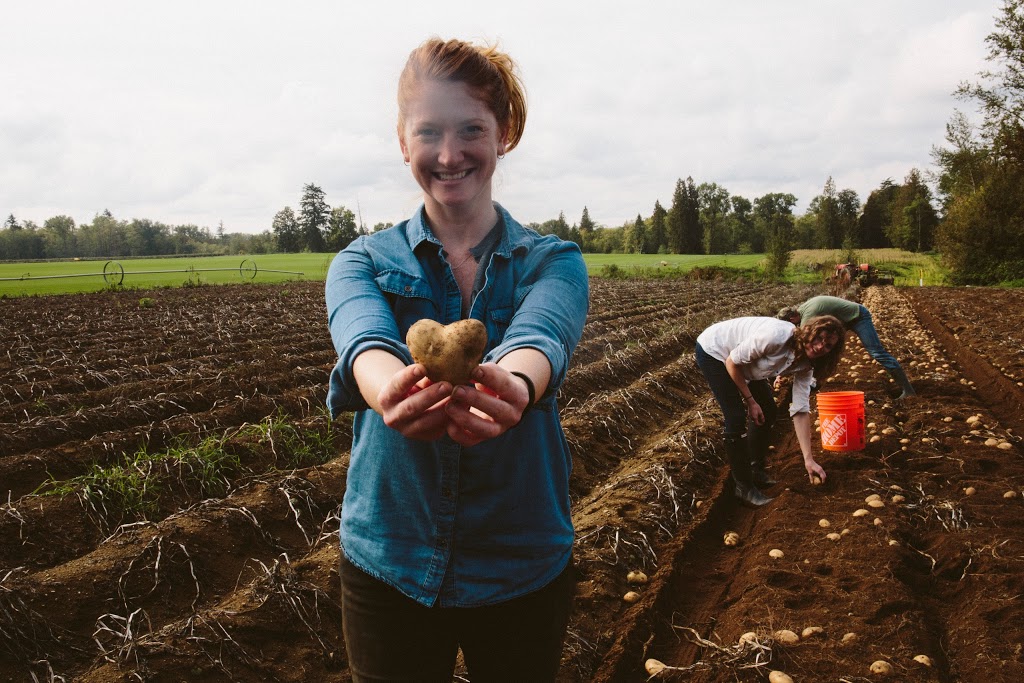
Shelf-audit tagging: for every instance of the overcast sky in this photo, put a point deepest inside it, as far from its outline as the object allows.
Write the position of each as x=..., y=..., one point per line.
x=201, y=112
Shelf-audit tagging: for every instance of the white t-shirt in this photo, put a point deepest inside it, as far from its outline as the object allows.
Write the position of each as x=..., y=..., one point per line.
x=760, y=348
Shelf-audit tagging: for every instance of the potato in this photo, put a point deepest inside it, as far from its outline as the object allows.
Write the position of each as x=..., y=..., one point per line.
x=748, y=637
x=779, y=677
x=786, y=637
x=1010, y=494
x=654, y=666
x=449, y=352
x=833, y=536
x=970, y=491
x=816, y=480
x=849, y=638
x=637, y=578
x=881, y=668
x=861, y=512
x=631, y=597
x=776, y=554
x=923, y=660
x=812, y=631
x=731, y=538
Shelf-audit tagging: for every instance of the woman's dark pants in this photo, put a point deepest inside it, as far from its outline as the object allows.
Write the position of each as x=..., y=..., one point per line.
x=390, y=637
x=744, y=441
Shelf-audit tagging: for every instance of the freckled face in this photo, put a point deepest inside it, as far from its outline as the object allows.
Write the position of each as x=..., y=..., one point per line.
x=452, y=142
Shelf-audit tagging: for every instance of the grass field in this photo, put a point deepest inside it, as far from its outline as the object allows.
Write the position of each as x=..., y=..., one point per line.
x=87, y=276
x=67, y=277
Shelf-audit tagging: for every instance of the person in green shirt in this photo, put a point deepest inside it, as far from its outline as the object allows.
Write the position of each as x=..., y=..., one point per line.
x=857, y=318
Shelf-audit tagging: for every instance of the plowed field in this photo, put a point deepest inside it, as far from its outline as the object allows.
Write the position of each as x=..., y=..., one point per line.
x=170, y=492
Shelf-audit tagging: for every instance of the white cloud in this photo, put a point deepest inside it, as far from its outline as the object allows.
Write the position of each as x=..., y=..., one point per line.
x=202, y=112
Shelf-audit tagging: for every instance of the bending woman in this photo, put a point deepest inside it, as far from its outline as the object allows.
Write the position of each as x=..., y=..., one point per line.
x=738, y=357
x=455, y=526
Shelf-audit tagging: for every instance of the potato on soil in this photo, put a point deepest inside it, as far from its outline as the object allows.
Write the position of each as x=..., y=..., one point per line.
x=637, y=578
x=923, y=660
x=881, y=668
x=631, y=597
x=450, y=353
x=654, y=666
x=731, y=538
x=786, y=637
x=779, y=677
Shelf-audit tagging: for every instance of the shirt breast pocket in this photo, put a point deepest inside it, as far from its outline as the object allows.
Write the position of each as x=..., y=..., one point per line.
x=409, y=297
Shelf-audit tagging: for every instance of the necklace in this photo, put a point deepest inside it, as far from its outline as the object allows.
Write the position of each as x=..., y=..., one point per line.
x=462, y=262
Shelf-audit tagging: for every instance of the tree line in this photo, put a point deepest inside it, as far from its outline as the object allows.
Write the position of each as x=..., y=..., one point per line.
x=707, y=219
x=981, y=177
x=976, y=221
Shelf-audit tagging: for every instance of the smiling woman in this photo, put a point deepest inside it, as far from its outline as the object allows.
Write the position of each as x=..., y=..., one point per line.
x=455, y=528
x=737, y=358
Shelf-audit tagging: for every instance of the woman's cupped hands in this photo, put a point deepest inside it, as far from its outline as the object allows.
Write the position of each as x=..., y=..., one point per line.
x=470, y=414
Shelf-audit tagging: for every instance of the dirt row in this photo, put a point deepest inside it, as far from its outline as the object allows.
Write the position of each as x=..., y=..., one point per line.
x=241, y=584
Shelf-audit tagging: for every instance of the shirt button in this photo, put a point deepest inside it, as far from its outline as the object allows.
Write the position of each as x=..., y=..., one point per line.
x=408, y=288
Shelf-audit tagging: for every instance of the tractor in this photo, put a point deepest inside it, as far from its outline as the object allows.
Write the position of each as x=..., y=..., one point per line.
x=863, y=274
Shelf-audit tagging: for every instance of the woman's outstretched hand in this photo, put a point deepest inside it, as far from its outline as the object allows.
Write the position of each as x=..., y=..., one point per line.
x=491, y=407
x=413, y=406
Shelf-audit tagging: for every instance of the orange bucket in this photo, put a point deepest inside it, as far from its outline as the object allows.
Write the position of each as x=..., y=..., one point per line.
x=841, y=417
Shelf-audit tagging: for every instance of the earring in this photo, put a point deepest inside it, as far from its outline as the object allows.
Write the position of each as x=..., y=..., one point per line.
x=406, y=162
x=501, y=156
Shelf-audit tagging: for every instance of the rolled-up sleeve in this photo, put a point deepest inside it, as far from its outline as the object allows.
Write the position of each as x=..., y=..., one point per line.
x=360, y=319
x=801, y=401
x=551, y=310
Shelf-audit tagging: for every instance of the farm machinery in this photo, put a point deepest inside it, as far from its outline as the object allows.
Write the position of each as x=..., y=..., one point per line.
x=863, y=274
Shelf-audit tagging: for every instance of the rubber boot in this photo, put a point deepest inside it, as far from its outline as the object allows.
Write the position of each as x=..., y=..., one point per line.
x=904, y=383
x=757, y=443
x=739, y=462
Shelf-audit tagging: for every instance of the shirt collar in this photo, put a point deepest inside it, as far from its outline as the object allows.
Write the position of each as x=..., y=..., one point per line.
x=514, y=237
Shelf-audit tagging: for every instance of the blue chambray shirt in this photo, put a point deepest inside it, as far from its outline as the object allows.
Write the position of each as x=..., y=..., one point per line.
x=447, y=525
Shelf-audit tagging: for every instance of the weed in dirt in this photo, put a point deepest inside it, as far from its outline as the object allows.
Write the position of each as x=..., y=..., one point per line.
x=132, y=490
x=294, y=447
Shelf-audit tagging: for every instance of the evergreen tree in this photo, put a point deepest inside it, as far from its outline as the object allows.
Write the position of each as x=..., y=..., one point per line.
x=829, y=230
x=873, y=224
x=587, y=232
x=657, y=238
x=913, y=221
x=314, y=218
x=684, y=230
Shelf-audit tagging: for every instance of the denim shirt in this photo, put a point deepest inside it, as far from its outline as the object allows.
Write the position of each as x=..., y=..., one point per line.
x=450, y=525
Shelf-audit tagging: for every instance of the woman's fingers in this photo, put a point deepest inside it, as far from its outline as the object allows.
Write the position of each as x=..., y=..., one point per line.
x=412, y=405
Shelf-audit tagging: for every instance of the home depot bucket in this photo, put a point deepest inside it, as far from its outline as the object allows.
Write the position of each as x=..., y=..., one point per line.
x=841, y=417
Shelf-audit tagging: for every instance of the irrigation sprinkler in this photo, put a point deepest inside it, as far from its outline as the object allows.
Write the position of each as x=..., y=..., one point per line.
x=113, y=272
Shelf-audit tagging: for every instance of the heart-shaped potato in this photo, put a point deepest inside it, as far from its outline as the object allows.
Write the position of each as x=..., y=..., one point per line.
x=449, y=352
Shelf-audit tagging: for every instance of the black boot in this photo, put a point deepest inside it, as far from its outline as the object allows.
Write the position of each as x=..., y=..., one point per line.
x=904, y=383
x=739, y=462
x=757, y=442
